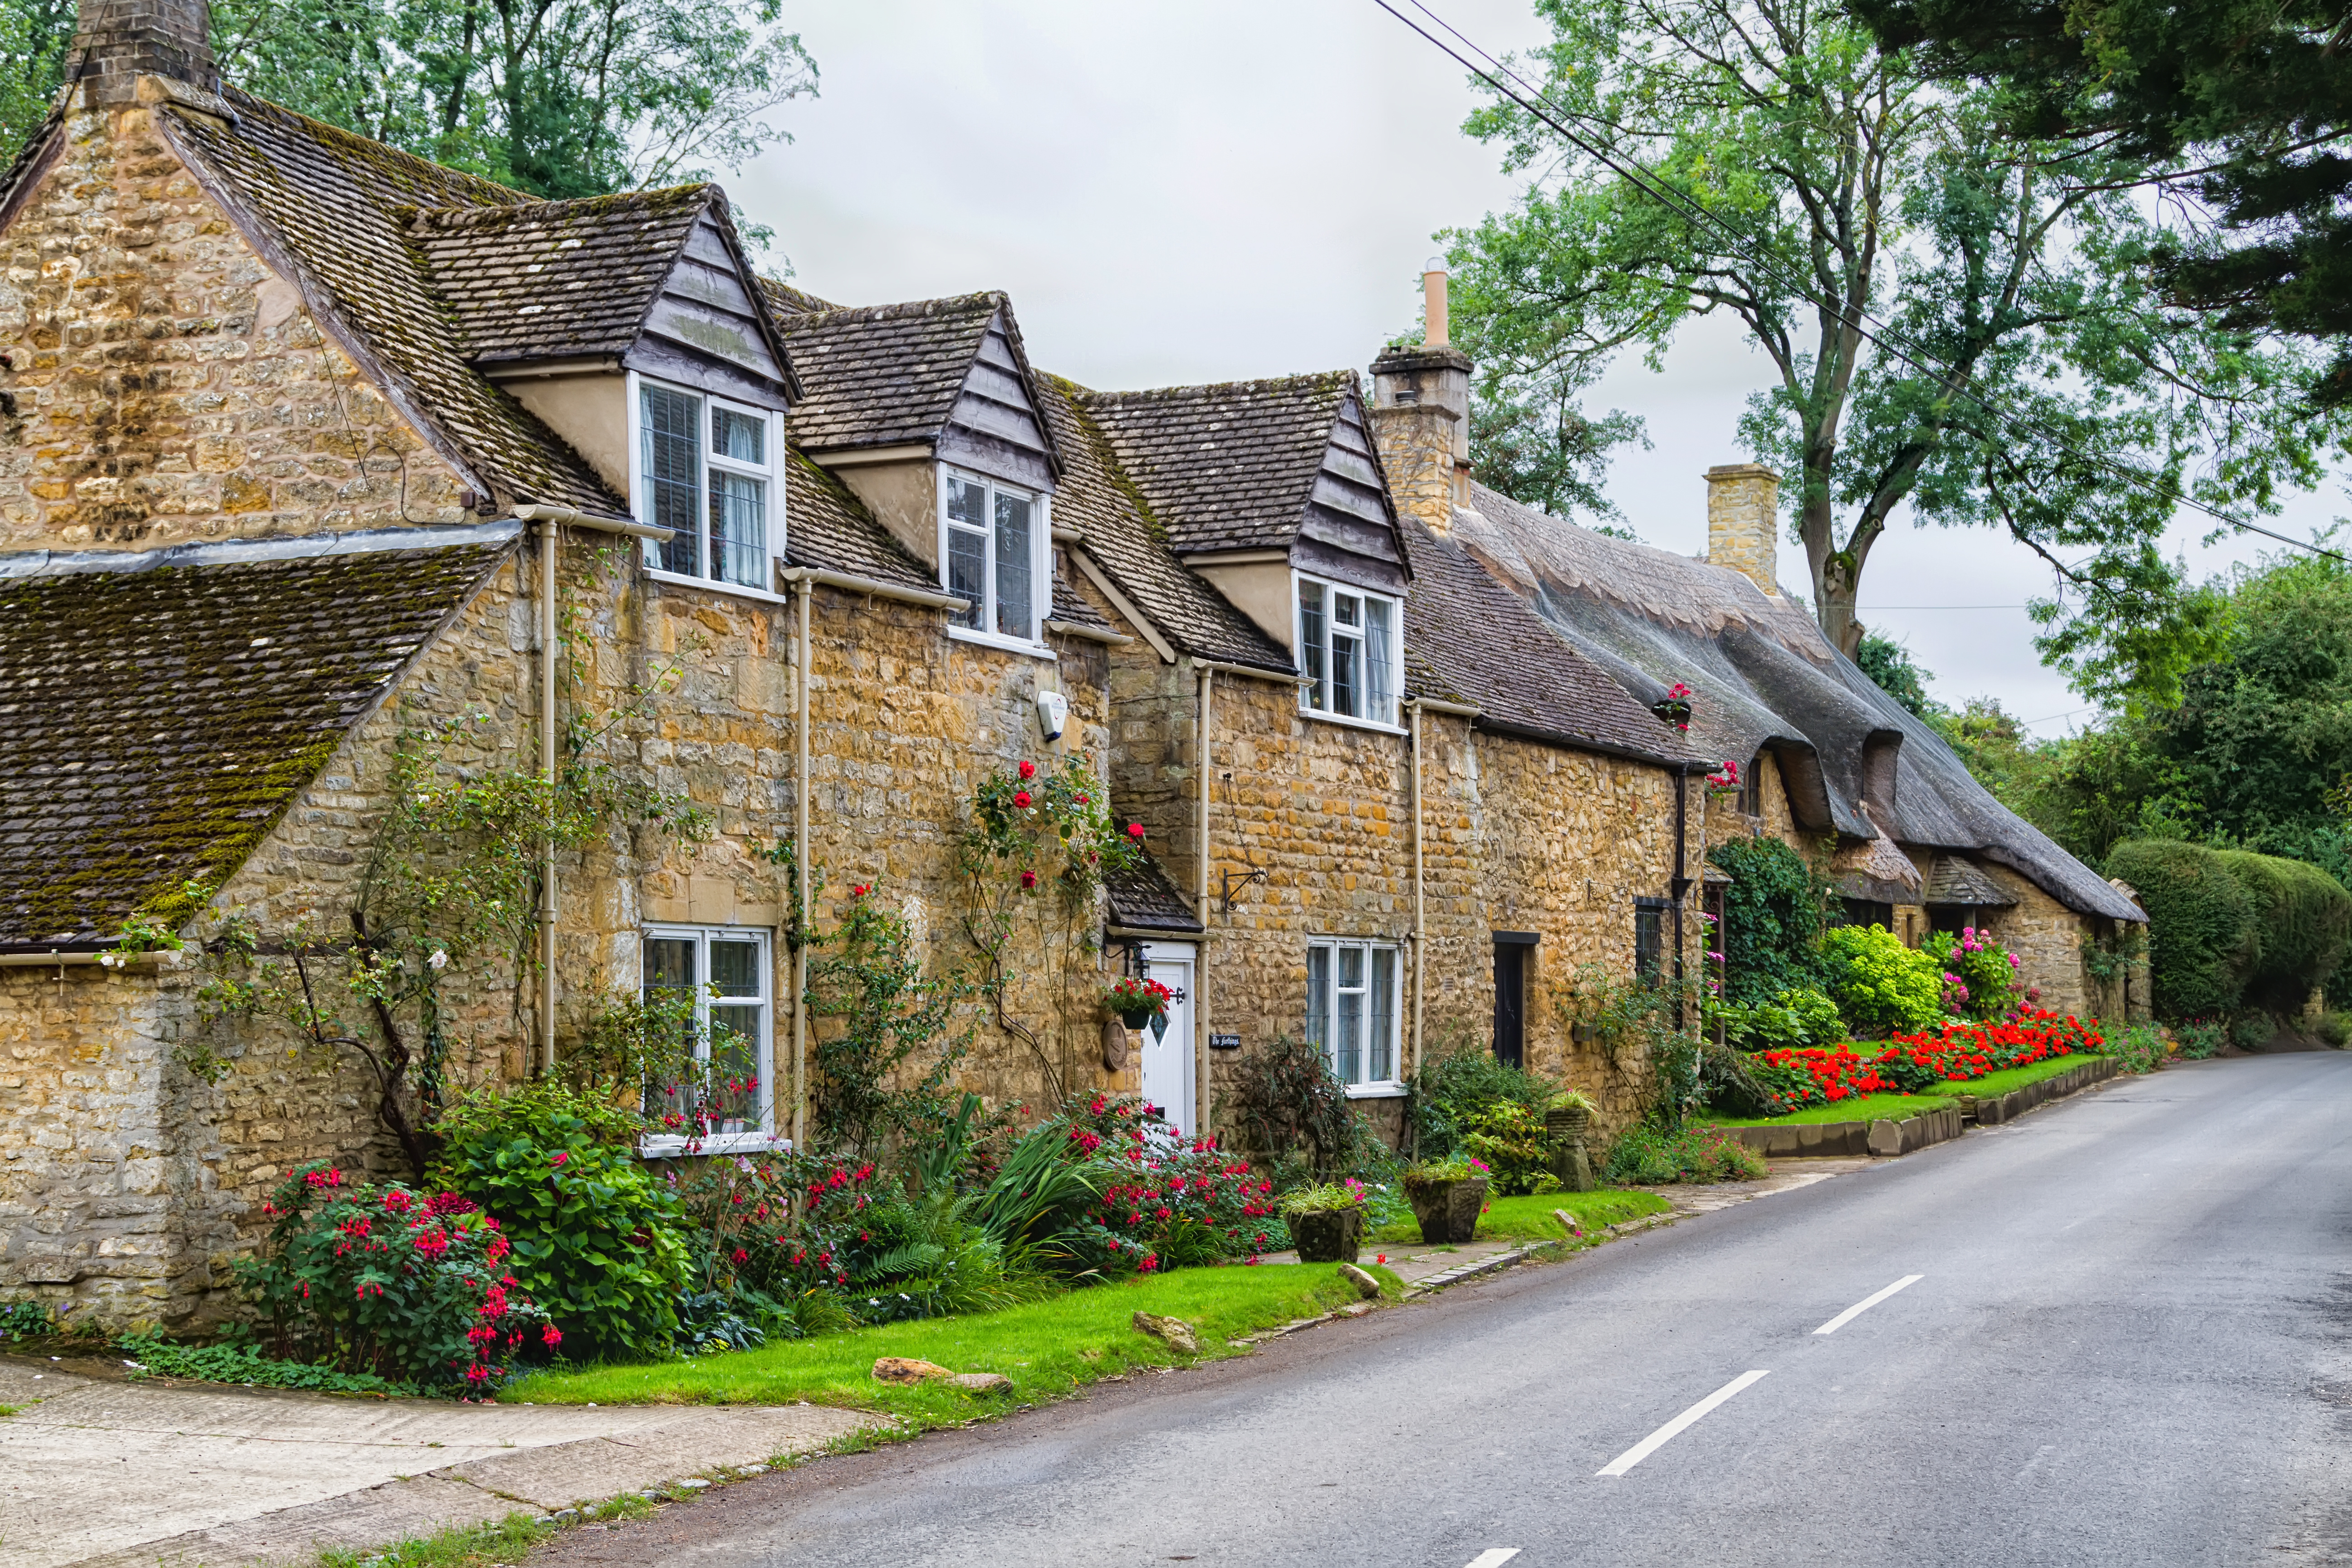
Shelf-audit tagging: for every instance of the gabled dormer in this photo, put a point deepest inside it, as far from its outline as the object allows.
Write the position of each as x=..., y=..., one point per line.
x=634, y=327
x=929, y=412
x=1273, y=491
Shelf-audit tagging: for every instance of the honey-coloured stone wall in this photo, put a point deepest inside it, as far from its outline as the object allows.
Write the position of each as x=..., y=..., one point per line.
x=168, y=386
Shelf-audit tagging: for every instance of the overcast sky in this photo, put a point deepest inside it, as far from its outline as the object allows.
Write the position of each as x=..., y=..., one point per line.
x=1213, y=190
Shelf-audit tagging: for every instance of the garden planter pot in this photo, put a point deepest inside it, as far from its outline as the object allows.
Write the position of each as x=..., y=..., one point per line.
x=1329, y=1236
x=1569, y=1125
x=1139, y=1019
x=1448, y=1211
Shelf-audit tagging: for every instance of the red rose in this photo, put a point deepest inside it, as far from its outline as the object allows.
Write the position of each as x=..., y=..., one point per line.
x=1135, y=830
x=1021, y=799
x=1028, y=770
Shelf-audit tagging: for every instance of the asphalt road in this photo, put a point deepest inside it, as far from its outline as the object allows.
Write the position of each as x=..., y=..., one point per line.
x=2127, y=1344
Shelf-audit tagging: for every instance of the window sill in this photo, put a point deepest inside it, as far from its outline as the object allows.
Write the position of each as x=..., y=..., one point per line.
x=1005, y=643
x=670, y=1146
x=1377, y=1090
x=738, y=590
x=1344, y=721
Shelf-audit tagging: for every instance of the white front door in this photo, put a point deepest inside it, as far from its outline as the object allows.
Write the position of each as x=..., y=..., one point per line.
x=1167, y=1076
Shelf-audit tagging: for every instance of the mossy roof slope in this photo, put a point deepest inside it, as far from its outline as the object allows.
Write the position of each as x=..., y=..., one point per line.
x=880, y=376
x=155, y=723
x=552, y=279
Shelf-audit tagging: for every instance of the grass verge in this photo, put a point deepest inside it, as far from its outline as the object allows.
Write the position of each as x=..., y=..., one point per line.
x=461, y=1546
x=1529, y=1219
x=1048, y=1349
x=1896, y=1107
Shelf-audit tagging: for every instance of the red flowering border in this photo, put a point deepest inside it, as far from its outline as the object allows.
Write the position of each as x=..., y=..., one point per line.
x=1810, y=1076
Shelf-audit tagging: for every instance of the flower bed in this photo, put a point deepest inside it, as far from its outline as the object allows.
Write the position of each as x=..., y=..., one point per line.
x=1957, y=1053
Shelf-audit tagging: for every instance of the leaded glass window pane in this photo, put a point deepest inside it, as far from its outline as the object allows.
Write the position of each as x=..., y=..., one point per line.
x=1014, y=572
x=671, y=427
x=1319, y=997
x=738, y=531
x=1348, y=1024
x=738, y=435
x=968, y=549
x=1311, y=643
x=1380, y=1066
x=1379, y=693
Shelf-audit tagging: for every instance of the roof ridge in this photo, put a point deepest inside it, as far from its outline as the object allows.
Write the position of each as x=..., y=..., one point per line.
x=1323, y=380
x=353, y=141
x=899, y=309
x=669, y=196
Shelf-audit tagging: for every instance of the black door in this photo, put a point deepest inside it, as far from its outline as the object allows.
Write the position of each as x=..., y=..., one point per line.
x=1511, y=1003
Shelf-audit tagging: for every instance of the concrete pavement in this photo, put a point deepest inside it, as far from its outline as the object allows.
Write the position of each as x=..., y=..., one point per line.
x=2126, y=1344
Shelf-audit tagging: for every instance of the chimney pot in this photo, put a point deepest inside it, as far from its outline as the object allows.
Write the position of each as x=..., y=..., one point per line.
x=1743, y=522
x=1432, y=302
x=116, y=42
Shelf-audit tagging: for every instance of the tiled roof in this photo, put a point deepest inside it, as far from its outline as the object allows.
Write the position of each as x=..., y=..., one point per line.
x=550, y=279
x=154, y=723
x=335, y=208
x=1121, y=538
x=828, y=528
x=1143, y=898
x=788, y=300
x=882, y=374
x=1229, y=466
x=1468, y=639
x=1071, y=610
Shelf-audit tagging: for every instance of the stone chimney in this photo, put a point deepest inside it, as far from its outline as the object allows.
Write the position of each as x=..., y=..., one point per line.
x=1421, y=416
x=116, y=42
x=1743, y=522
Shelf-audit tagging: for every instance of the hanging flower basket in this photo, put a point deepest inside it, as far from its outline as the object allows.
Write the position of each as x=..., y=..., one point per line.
x=1675, y=707
x=1136, y=1002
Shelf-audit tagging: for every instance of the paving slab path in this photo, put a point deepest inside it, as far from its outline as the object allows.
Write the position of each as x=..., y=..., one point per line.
x=98, y=1472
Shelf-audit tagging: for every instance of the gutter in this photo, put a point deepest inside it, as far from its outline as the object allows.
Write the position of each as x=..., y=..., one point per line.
x=58, y=957
x=872, y=587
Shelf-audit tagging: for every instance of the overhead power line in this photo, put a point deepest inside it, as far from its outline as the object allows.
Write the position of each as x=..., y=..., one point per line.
x=1876, y=332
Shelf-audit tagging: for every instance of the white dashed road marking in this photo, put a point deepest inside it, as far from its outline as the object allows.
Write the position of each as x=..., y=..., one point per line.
x=1667, y=1433
x=1865, y=1304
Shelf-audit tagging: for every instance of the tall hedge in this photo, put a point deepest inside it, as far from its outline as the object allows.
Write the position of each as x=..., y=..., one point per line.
x=1772, y=919
x=2228, y=928
x=2302, y=919
x=2203, y=940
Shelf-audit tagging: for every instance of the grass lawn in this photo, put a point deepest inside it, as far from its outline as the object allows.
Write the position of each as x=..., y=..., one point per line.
x=1896, y=1107
x=1046, y=1348
x=1529, y=1219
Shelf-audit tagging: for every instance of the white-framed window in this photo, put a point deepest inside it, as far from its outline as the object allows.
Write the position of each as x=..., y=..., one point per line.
x=993, y=539
x=710, y=471
x=1350, y=651
x=726, y=1098
x=1351, y=1010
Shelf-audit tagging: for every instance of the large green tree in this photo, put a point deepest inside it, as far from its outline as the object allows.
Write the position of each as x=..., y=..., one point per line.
x=1809, y=184
x=2240, y=104
x=559, y=98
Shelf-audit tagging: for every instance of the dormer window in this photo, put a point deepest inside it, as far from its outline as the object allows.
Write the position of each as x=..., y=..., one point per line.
x=707, y=471
x=1347, y=650
x=992, y=556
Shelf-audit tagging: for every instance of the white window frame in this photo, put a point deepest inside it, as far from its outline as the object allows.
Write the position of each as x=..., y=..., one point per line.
x=751, y=1138
x=1365, y=1087
x=770, y=473
x=1309, y=689
x=1041, y=564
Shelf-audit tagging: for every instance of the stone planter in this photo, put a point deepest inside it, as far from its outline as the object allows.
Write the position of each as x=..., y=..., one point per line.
x=1569, y=1127
x=1448, y=1211
x=1567, y=1124
x=1328, y=1235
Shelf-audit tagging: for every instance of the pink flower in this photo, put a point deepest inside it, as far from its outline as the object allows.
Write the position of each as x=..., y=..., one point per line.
x=1028, y=881
x=560, y=1156
x=1135, y=830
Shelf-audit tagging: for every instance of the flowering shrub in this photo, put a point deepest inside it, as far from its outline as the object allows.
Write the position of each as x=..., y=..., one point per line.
x=1173, y=1202
x=596, y=1235
x=404, y=1285
x=1794, y=1079
x=1881, y=985
x=1979, y=974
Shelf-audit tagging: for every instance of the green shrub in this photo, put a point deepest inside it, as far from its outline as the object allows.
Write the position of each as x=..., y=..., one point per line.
x=1452, y=1088
x=244, y=1363
x=597, y=1237
x=1881, y=985
x=2333, y=1029
x=2303, y=917
x=2202, y=940
x=1510, y=1138
x=1647, y=1156
x=2138, y=1048
x=2201, y=1038
x=1327, y=1197
x=1792, y=1020
x=26, y=1319
x=1772, y=918
x=2253, y=1031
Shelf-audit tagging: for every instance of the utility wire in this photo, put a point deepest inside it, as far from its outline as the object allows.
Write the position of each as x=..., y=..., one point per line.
x=1878, y=334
